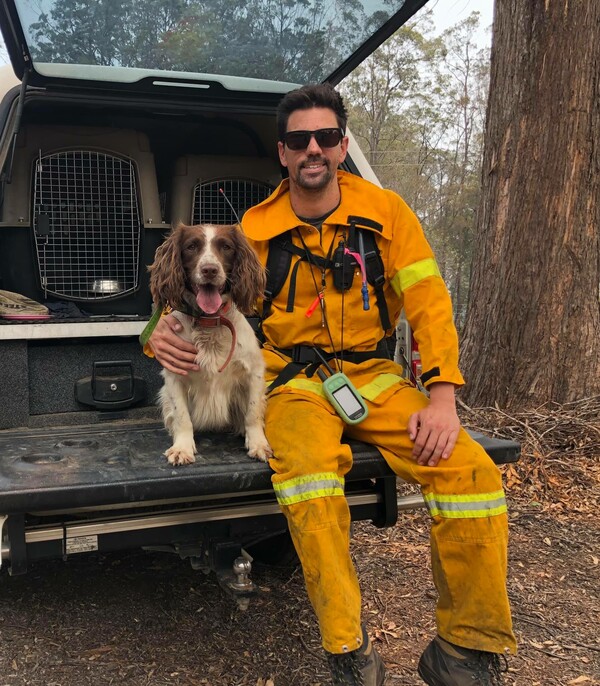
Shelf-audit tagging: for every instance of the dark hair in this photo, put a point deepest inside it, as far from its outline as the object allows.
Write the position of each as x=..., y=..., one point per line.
x=307, y=97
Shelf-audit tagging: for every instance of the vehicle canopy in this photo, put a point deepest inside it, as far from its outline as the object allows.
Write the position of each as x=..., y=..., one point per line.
x=249, y=45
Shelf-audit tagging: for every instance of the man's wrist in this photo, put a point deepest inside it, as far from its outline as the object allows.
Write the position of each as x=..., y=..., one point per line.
x=442, y=392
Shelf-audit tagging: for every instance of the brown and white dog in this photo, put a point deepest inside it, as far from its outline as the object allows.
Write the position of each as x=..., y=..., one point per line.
x=211, y=277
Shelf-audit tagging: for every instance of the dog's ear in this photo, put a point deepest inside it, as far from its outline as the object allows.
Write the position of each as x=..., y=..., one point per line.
x=248, y=276
x=167, y=277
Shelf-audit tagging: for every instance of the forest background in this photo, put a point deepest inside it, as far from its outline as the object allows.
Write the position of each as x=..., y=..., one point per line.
x=417, y=109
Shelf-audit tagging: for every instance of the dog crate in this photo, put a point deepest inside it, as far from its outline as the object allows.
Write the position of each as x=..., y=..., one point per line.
x=87, y=225
x=81, y=218
x=218, y=190
x=224, y=201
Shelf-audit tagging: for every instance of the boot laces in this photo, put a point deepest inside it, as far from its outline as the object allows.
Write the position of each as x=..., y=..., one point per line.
x=487, y=669
x=344, y=667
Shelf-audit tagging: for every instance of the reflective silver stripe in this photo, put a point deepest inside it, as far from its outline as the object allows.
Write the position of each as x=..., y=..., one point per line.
x=308, y=487
x=467, y=506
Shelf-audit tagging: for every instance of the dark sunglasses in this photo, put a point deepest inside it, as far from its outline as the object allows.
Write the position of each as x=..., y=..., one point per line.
x=300, y=140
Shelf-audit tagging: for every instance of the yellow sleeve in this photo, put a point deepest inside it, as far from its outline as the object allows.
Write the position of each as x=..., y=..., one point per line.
x=416, y=279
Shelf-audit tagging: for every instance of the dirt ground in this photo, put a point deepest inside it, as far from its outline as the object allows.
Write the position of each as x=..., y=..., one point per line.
x=148, y=619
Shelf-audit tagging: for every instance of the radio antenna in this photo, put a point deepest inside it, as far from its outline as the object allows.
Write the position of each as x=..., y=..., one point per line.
x=235, y=214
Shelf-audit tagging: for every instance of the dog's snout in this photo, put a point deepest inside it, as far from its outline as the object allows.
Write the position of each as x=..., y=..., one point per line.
x=209, y=271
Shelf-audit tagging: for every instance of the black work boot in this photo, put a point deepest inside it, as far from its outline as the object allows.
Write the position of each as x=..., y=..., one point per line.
x=361, y=667
x=445, y=664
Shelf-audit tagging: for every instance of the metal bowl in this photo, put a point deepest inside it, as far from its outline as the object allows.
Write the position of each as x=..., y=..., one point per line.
x=105, y=286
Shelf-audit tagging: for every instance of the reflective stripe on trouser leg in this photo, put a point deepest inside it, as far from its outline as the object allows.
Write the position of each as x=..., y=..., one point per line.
x=309, y=470
x=469, y=530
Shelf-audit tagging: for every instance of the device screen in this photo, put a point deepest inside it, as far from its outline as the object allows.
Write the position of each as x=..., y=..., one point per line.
x=346, y=399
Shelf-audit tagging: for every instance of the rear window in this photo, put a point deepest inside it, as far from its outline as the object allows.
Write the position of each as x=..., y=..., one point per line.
x=279, y=40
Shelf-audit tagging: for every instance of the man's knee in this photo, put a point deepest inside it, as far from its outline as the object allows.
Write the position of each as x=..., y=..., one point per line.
x=469, y=469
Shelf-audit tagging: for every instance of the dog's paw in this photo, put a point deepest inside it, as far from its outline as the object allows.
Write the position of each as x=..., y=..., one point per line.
x=259, y=450
x=179, y=456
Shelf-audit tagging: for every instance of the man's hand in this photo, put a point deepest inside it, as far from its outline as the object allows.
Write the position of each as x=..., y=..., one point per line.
x=172, y=351
x=434, y=429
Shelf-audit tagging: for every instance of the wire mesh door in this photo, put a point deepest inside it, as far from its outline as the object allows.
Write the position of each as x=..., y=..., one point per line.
x=87, y=225
x=211, y=207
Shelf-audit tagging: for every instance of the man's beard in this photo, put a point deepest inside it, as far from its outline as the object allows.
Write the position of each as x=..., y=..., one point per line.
x=314, y=184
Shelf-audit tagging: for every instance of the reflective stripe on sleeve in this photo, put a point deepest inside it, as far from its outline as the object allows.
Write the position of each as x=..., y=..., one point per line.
x=409, y=276
x=308, y=487
x=466, y=506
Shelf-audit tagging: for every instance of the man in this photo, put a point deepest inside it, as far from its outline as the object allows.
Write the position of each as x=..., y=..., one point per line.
x=420, y=437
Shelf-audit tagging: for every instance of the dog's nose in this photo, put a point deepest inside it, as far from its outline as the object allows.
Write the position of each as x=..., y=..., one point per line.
x=209, y=271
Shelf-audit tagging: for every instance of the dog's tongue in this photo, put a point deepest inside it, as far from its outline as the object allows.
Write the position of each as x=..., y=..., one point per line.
x=209, y=299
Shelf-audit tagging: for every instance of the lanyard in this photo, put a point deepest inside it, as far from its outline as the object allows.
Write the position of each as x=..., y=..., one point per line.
x=320, y=299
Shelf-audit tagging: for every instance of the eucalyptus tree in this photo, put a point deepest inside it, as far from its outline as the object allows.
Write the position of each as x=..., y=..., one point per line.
x=533, y=328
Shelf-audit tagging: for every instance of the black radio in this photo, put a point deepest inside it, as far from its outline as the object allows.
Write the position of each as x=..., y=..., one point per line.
x=343, y=268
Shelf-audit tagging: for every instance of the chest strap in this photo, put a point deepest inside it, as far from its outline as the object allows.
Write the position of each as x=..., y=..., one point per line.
x=308, y=358
x=279, y=266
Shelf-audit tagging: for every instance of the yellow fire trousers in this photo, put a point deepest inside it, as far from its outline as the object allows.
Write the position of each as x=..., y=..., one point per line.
x=464, y=496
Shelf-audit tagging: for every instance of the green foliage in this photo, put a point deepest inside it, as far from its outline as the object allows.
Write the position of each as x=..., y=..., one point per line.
x=417, y=109
x=286, y=40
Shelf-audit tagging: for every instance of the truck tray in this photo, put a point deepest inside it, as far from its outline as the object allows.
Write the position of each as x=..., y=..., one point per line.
x=96, y=465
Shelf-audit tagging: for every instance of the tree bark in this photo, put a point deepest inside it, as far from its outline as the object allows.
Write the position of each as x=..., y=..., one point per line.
x=532, y=333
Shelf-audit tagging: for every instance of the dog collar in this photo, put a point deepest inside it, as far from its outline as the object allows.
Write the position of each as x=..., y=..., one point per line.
x=202, y=320
x=214, y=320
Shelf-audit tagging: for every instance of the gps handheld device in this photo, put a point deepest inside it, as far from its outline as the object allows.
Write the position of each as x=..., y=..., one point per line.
x=346, y=400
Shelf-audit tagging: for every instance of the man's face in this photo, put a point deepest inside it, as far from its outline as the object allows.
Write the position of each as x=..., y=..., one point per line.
x=313, y=168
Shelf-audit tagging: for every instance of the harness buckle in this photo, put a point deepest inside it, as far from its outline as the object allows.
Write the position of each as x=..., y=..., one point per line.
x=304, y=354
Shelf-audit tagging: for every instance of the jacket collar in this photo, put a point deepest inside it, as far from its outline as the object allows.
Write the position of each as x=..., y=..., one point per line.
x=275, y=216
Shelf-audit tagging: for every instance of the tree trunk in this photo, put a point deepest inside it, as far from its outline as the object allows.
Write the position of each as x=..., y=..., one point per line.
x=532, y=333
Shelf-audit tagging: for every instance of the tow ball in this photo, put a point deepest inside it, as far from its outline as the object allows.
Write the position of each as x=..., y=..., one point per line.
x=242, y=585
x=234, y=578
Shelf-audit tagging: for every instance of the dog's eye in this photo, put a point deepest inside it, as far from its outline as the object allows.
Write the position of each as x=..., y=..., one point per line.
x=226, y=247
x=191, y=247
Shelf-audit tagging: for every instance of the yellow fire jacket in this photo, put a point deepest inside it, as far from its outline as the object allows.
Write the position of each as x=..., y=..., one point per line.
x=413, y=279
